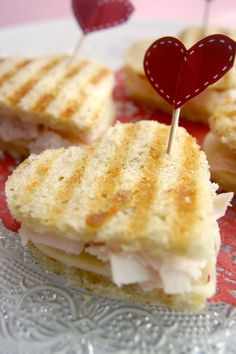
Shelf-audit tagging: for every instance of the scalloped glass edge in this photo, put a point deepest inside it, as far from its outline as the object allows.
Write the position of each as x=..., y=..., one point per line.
x=44, y=313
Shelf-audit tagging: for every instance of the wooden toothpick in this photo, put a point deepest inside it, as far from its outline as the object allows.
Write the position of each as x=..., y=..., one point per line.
x=77, y=50
x=206, y=16
x=174, y=125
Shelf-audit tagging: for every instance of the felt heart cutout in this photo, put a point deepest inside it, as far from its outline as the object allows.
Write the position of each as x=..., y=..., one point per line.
x=178, y=74
x=94, y=15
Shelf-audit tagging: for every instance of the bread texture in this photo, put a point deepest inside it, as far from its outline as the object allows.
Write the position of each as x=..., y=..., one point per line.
x=70, y=99
x=199, y=108
x=121, y=190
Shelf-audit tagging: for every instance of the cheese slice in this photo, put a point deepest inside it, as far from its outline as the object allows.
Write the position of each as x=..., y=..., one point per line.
x=83, y=261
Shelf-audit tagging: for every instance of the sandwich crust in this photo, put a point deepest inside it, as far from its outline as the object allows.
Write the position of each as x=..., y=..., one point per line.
x=121, y=190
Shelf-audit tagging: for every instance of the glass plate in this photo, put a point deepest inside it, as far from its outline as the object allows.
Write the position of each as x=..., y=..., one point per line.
x=43, y=313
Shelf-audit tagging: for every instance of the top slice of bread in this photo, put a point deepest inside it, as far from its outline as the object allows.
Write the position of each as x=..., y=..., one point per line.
x=69, y=98
x=223, y=125
x=123, y=190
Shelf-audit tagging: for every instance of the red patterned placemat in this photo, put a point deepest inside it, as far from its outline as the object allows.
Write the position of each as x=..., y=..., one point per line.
x=128, y=111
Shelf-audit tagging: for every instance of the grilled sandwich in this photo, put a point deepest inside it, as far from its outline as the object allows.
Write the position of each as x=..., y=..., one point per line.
x=220, y=147
x=46, y=102
x=122, y=217
x=199, y=108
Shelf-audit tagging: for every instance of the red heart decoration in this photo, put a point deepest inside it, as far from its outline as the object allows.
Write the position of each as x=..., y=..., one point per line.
x=93, y=15
x=178, y=74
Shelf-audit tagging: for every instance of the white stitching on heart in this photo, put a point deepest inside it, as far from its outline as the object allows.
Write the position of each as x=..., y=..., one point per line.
x=185, y=58
x=109, y=24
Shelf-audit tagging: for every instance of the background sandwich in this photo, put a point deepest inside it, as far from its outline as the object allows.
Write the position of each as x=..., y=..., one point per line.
x=46, y=102
x=123, y=217
x=220, y=147
x=199, y=108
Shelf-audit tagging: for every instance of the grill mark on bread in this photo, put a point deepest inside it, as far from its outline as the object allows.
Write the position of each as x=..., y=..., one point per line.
x=95, y=115
x=145, y=189
x=107, y=200
x=46, y=99
x=99, y=76
x=184, y=197
x=75, y=105
x=23, y=90
x=14, y=71
x=37, y=178
x=66, y=190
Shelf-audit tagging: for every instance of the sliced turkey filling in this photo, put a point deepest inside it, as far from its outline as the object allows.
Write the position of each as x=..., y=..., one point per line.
x=36, y=138
x=174, y=274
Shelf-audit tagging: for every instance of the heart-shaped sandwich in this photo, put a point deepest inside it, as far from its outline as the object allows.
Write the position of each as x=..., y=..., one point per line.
x=44, y=103
x=123, y=217
x=94, y=15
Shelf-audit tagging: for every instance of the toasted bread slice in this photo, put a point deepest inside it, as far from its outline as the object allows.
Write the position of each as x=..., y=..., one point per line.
x=198, y=109
x=74, y=101
x=126, y=202
x=220, y=147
